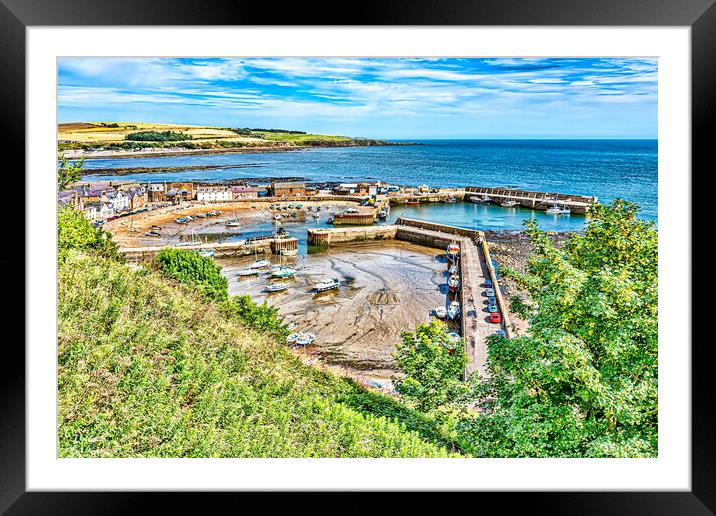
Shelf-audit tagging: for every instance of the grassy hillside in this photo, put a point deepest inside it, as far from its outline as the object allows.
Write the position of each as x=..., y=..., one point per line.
x=148, y=367
x=118, y=135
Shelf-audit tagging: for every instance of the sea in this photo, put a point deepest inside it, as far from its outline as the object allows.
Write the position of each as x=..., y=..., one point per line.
x=608, y=169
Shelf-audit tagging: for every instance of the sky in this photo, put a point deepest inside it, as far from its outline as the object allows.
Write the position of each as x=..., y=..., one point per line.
x=389, y=98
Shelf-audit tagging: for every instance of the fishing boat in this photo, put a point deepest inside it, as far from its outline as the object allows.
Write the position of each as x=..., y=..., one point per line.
x=476, y=200
x=260, y=264
x=486, y=199
x=555, y=210
x=283, y=272
x=454, y=269
x=326, y=285
x=453, y=283
x=441, y=312
x=277, y=287
x=201, y=215
x=453, y=311
x=206, y=253
x=509, y=204
x=249, y=271
x=305, y=339
x=453, y=251
x=563, y=210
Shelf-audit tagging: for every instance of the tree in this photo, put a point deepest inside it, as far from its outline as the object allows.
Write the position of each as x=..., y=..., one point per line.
x=69, y=172
x=76, y=232
x=583, y=380
x=433, y=363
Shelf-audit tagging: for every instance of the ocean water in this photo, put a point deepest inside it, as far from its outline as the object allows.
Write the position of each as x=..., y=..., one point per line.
x=606, y=168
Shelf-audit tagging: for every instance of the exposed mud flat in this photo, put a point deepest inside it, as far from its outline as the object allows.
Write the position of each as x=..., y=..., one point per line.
x=385, y=288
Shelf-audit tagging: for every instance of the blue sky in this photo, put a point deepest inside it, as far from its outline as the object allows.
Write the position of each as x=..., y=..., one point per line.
x=394, y=98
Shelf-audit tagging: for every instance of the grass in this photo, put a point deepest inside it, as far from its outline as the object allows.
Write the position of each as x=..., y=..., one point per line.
x=149, y=368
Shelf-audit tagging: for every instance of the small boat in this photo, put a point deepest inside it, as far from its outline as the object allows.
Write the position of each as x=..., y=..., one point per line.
x=329, y=220
x=291, y=339
x=155, y=227
x=486, y=199
x=189, y=242
x=298, y=206
x=152, y=234
x=253, y=206
x=554, y=210
x=316, y=215
x=451, y=200
x=181, y=220
x=305, y=339
x=277, y=217
x=509, y=204
x=201, y=215
x=453, y=283
x=260, y=264
x=249, y=271
x=412, y=203
x=441, y=312
x=565, y=211
x=277, y=287
x=476, y=200
x=453, y=251
x=454, y=269
x=290, y=206
x=292, y=326
x=326, y=285
x=206, y=253
x=232, y=223
x=283, y=272
x=289, y=252
x=453, y=311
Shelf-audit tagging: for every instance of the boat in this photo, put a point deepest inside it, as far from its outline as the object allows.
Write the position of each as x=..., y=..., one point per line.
x=298, y=206
x=260, y=264
x=486, y=199
x=316, y=215
x=283, y=272
x=289, y=252
x=326, y=285
x=189, y=242
x=563, y=210
x=155, y=227
x=201, y=215
x=305, y=339
x=181, y=220
x=206, y=253
x=277, y=287
x=476, y=200
x=454, y=269
x=453, y=251
x=451, y=200
x=292, y=326
x=329, y=220
x=453, y=337
x=232, y=223
x=556, y=210
x=152, y=234
x=290, y=206
x=291, y=339
x=509, y=204
x=453, y=283
x=248, y=271
x=453, y=311
x=441, y=312
x=412, y=203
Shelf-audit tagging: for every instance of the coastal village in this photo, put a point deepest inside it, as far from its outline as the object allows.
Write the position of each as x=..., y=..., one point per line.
x=212, y=218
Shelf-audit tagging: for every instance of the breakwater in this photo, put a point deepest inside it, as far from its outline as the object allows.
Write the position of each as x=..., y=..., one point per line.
x=534, y=200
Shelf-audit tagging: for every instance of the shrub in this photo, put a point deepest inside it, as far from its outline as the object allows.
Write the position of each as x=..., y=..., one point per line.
x=76, y=232
x=198, y=271
x=157, y=136
x=261, y=317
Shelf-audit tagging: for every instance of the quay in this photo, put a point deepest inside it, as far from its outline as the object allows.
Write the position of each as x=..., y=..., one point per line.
x=257, y=245
x=534, y=200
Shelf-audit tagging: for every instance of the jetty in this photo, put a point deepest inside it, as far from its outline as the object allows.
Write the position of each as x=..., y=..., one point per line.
x=533, y=200
x=249, y=246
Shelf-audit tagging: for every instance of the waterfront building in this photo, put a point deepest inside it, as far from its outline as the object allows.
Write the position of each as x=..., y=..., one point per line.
x=243, y=192
x=119, y=200
x=288, y=189
x=70, y=198
x=157, y=192
x=213, y=193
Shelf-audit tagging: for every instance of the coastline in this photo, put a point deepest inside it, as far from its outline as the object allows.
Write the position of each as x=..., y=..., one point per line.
x=177, y=151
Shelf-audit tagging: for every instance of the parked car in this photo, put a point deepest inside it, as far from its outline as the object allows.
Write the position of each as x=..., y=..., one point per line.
x=488, y=283
x=495, y=317
x=491, y=301
x=490, y=292
x=492, y=308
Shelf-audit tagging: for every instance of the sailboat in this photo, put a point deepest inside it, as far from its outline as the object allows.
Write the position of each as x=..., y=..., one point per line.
x=193, y=241
x=233, y=222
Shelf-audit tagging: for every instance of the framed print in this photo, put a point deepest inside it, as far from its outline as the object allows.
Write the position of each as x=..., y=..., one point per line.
x=438, y=249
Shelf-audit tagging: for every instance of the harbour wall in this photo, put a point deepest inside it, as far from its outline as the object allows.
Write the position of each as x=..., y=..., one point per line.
x=240, y=248
x=533, y=200
x=443, y=228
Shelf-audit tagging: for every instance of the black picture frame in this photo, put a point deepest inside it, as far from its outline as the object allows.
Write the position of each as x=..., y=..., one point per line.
x=17, y=15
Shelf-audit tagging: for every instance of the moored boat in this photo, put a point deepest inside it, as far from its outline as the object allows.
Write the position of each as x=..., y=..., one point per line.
x=509, y=204
x=206, y=253
x=305, y=339
x=259, y=264
x=326, y=285
x=152, y=234
x=289, y=252
x=453, y=311
x=441, y=312
x=283, y=272
x=453, y=250
x=453, y=283
x=292, y=338
x=248, y=271
x=277, y=287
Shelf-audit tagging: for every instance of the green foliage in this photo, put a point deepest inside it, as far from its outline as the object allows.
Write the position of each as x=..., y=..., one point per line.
x=69, y=172
x=263, y=317
x=157, y=136
x=583, y=381
x=198, y=271
x=433, y=366
x=76, y=233
x=147, y=368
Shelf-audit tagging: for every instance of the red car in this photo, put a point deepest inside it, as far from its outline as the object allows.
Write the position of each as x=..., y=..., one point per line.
x=495, y=317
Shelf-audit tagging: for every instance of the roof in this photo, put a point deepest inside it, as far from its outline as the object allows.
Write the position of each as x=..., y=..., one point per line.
x=295, y=184
x=242, y=189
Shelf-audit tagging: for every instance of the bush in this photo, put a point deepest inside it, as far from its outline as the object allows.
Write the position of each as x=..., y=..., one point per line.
x=261, y=317
x=190, y=268
x=433, y=366
x=76, y=232
x=157, y=136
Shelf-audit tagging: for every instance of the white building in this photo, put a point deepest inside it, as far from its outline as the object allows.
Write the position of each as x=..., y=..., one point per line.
x=213, y=193
x=119, y=200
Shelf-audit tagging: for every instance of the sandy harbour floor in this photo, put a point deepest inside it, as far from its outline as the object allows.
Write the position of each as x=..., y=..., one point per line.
x=386, y=288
